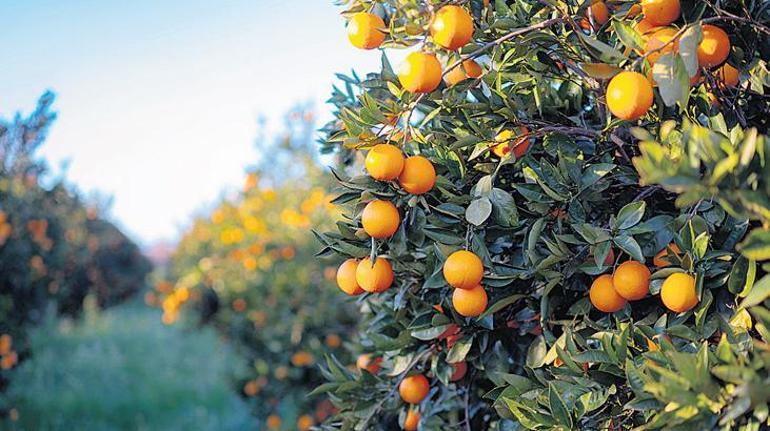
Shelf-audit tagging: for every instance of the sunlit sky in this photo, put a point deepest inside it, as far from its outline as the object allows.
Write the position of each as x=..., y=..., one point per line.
x=158, y=100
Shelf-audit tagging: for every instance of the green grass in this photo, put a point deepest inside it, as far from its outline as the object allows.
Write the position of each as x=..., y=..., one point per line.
x=124, y=370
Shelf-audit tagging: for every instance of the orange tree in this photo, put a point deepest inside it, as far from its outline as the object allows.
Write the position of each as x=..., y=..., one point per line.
x=562, y=218
x=54, y=248
x=248, y=268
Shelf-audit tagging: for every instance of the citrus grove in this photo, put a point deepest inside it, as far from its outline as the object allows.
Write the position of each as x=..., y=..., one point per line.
x=248, y=268
x=556, y=215
x=55, y=248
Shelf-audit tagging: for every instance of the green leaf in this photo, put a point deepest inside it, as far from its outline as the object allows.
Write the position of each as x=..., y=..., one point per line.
x=627, y=35
x=688, y=48
x=756, y=246
x=499, y=305
x=478, y=211
x=536, y=352
x=758, y=293
x=673, y=81
x=558, y=408
x=629, y=245
x=459, y=351
x=742, y=276
x=630, y=215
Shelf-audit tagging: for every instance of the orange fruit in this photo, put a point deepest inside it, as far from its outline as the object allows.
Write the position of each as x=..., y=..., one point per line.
x=644, y=27
x=467, y=69
x=603, y=295
x=333, y=341
x=661, y=12
x=384, y=162
x=460, y=368
x=633, y=11
x=631, y=280
x=463, y=270
x=678, y=292
x=377, y=278
x=418, y=175
x=470, y=302
x=305, y=422
x=728, y=75
x=452, y=27
x=414, y=389
x=420, y=72
x=6, y=342
x=659, y=40
x=273, y=422
x=251, y=388
x=600, y=13
x=714, y=48
x=629, y=95
x=346, y=278
x=365, y=362
x=660, y=260
x=506, y=141
x=366, y=30
x=412, y=420
x=380, y=219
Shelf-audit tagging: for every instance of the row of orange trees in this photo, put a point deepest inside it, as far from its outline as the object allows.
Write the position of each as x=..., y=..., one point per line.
x=55, y=249
x=248, y=268
x=564, y=217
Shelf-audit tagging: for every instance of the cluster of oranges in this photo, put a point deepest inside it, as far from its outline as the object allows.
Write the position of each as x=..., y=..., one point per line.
x=380, y=218
x=630, y=94
x=631, y=282
x=8, y=357
x=451, y=28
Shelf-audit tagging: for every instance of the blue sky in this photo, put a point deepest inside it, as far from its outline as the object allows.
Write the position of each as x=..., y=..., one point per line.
x=158, y=100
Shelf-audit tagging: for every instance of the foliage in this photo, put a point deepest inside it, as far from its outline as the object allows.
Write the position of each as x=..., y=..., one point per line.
x=248, y=268
x=692, y=171
x=54, y=248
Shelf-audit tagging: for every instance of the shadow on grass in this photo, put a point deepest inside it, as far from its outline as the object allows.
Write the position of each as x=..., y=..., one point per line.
x=124, y=370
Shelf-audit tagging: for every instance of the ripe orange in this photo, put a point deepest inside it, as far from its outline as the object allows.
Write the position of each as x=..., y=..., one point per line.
x=600, y=13
x=467, y=69
x=714, y=48
x=418, y=175
x=659, y=40
x=629, y=95
x=412, y=420
x=420, y=72
x=460, y=368
x=678, y=292
x=6, y=343
x=728, y=75
x=603, y=295
x=470, y=302
x=631, y=280
x=251, y=388
x=660, y=260
x=452, y=27
x=305, y=422
x=366, y=30
x=377, y=278
x=463, y=270
x=506, y=141
x=365, y=362
x=414, y=389
x=346, y=278
x=380, y=219
x=273, y=422
x=661, y=12
x=384, y=162
x=645, y=27
x=333, y=340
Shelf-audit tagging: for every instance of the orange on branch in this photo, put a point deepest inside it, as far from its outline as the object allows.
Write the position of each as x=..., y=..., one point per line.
x=728, y=75
x=365, y=362
x=629, y=95
x=660, y=260
x=463, y=270
x=661, y=12
x=346, y=278
x=377, y=278
x=603, y=295
x=413, y=389
x=678, y=292
x=600, y=13
x=660, y=42
x=714, y=48
x=418, y=175
x=467, y=69
x=470, y=302
x=460, y=368
x=380, y=219
x=452, y=27
x=412, y=420
x=420, y=72
x=305, y=422
x=509, y=140
x=366, y=30
x=384, y=162
x=632, y=280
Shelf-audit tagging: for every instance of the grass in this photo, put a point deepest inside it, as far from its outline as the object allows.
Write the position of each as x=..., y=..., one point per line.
x=124, y=370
